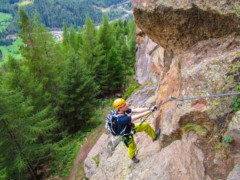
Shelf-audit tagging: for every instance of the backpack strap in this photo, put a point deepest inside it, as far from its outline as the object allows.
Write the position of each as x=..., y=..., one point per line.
x=123, y=130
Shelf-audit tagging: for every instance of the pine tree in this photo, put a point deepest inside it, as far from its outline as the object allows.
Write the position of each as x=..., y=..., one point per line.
x=22, y=132
x=132, y=41
x=92, y=52
x=40, y=57
x=3, y=169
x=78, y=95
x=14, y=73
x=89, y=43
x=115, y=72
x=106, y=35
x=73, y=39
x=27, y=99
x=119, y=29
x=65, y=35
x=126, y=59
x=100, y=72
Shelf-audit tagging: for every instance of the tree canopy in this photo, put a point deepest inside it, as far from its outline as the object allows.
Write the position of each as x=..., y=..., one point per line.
x=52, y=91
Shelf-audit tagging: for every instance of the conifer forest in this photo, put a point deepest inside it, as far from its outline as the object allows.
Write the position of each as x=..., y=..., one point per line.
x=49, y=94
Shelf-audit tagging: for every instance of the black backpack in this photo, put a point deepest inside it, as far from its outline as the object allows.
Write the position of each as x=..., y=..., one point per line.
x=112, y=123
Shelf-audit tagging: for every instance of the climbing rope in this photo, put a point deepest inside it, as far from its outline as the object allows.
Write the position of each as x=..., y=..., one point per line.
x=171, y=98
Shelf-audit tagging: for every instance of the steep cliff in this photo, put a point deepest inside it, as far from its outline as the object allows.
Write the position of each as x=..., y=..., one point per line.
x=178, y=24
x=185, y=49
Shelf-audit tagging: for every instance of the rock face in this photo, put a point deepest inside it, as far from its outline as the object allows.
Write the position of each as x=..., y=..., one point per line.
x=185, y=49
x=177, y=161
x=91, y=162
x=178, y=24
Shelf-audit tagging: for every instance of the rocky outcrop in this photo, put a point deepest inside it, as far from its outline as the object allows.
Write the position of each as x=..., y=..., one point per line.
x=199, y=71
x=92, y=160
x=177, y=161
x=235, y=173
x=185, y=49
x=178, y=24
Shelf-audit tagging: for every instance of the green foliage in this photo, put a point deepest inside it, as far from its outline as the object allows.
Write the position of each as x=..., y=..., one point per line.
x=12, y=50
x=236, y=104
x=106, y=35
x=200, y=130
x=66, y=152
x=223, y=147
x=117, y=64
x=106, y=52
x=5, y=19
x=237, y=7
x=115, y=72
x=68, y=148
x=114, y=14
x=106, y=3
x=0, y=54
x=134, y=86
x=227, y=139
x=8, y=18
x=74, y=44
x=41, y=59
x=78, y=95
x=73, y=13
x=96, y=159
x=233, y=80
x=28, y=120
x=3, y=169
x=90, y=50
x=53, y=12
x=132, y=41
x=58, y=81
x=22, y=133
x=80, y=172
x=99, y=114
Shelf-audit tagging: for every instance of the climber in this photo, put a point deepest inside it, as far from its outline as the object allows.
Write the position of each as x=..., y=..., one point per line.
x=125, y=123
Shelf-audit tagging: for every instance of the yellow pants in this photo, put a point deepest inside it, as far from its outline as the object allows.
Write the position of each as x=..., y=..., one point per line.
x=132, y=147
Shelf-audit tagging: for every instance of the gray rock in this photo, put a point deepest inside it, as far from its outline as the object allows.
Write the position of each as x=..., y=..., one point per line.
x=235, y=173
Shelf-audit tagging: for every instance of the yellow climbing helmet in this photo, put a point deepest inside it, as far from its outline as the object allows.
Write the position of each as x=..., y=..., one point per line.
x=118, y=103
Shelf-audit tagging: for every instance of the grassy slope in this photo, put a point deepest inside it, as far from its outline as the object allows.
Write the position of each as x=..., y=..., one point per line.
x=12, y=49
x=5, y=19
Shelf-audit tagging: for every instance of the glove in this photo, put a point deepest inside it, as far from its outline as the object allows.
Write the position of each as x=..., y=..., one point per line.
x=153, y=108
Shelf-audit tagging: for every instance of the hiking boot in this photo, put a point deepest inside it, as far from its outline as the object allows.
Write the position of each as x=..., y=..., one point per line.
x=158, y=132
x=135, y=160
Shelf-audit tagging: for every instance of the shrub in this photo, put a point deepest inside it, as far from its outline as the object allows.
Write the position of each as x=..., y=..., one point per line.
x=227, y=139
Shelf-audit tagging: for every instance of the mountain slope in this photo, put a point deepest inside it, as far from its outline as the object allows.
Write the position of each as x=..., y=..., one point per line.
x=191, y=54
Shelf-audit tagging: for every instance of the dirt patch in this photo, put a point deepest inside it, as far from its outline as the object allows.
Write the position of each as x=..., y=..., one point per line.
x=84, y=150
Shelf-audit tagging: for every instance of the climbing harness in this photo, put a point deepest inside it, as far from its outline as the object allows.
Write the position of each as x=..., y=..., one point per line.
x=171, y=98
x=127, y=139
